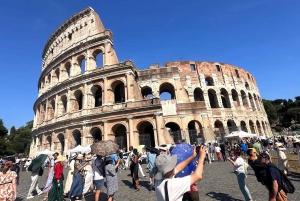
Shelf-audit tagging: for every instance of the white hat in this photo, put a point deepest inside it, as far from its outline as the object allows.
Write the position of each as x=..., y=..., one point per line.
x=278, y=144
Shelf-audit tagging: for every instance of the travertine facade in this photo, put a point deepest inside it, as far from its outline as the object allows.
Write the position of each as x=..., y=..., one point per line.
x=85, y=93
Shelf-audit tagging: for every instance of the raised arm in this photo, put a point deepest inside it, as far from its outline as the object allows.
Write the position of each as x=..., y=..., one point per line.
x=197, y=174
x=184, y=163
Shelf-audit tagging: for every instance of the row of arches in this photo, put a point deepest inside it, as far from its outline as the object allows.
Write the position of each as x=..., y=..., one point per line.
x=209, y=81
x=68, y=69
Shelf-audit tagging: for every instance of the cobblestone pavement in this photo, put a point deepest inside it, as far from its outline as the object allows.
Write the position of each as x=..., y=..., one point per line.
x=218, y=183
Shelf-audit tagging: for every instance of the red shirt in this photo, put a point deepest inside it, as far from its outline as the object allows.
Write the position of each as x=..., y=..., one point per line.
x=58, y=170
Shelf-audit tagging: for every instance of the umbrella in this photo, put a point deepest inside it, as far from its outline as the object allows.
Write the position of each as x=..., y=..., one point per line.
x=152, y=149
x=38, y=162
x=184, y=151
x=139, y=148
x=105, y=147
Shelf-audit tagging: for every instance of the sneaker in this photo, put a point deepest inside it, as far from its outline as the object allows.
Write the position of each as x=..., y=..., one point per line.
x=40, y=193
x=30, y=197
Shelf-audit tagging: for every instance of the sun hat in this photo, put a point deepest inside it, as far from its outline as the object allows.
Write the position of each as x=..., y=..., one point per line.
x=60, y=158
x=278, y=144
x=163, y=164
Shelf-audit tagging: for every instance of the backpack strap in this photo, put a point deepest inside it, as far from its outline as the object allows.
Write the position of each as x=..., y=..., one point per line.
x=166, y=191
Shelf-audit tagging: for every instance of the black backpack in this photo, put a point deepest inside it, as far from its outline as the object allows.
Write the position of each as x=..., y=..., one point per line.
x=41, y=171
x=286, y=185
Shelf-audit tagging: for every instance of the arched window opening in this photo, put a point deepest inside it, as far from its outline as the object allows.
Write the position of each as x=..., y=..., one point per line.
x=174, y=131
x=213, y=98
x=209, y=81
x=219, y=129
x=256, y=102
x=258, y=128
x=218, y=68
x=235, y=98
x=61, y=147
x=97, y=134
x=244, y=126
x=264, y=127
x=195, y=132
x=119, y=91
x=244, y=98
x=77, y=138
x=166, y=91
x=120, y=131
x=192, y=67
x=64, y=101
x=251, y=102
x=98, y=97
x=252, y=126
x=68, y=69
x=146, y=134
x=82, y=63
x=49, y=141
x=248, y=76
x=231, y=126
x=198, y=95
x=52, y=109
x=57, y=75
x=98, y=55
x=247, y=86
x=49, y=80
x=147, y=93
x=78, y=103
x=237, y=73
x=225, y=98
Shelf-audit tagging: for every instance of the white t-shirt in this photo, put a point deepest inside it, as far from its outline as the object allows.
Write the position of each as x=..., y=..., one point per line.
x=240, y=167
x=176, y=188
x=217, y=149
x=97, y=173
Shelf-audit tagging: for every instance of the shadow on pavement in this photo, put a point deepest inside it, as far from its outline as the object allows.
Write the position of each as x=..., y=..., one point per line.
x=221, y=196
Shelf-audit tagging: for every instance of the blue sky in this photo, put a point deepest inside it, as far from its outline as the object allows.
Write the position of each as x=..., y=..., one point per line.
x=259, y=36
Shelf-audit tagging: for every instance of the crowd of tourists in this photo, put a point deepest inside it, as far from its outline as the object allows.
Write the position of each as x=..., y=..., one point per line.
x=89, y=172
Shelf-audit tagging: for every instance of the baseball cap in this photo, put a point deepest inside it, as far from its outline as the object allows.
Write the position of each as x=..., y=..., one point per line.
x=264, y=155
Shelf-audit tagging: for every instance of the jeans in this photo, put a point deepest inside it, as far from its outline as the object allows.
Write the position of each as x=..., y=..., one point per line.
x=241, y=180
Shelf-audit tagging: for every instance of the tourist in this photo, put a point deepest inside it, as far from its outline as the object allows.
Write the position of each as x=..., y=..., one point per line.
x=257, y=147
x=211, y=150
x=273, y=180
x=282, y=159
x=218, y=152
x=15, y=167
x=223, y=150
x=49, y=176
x=69, y=180
x=56, y=192
x=27, y=163
x=166, y=169
x=129, y=157
x=111, y=178
x=134, y=170
x=140, y=160
x=150, y=165
x=89, y=175
x=250, y=146
x=76, y=190
x=8, y=186
x=243, y=148
x=239, y=170
x=34, y=183
x=98, y=179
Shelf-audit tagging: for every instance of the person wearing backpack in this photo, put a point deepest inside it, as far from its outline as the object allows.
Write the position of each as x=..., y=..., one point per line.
x=273, y=180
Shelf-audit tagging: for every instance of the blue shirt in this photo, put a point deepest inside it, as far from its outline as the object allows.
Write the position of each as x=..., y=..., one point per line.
x=243, y=147
x=151, y=159
x=272, y=173
x=115, y=157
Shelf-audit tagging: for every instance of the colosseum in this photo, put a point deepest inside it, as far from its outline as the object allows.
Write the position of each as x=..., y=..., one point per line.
x=86, y=94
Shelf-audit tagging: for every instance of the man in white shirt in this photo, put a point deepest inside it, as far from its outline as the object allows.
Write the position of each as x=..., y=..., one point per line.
x=169, y=188
x=98, y=176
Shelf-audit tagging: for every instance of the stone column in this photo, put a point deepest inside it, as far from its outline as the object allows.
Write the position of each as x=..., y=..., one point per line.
x=56, y=106
x=105, y=132
x=105, y=93
x=160, y=132
x=128, y=86
x=85, y=96
x=130, y=133
x=231, y=100
x=68, y=100
x=47, y=109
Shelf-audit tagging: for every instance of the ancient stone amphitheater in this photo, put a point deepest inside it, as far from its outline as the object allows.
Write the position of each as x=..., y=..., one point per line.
x=86, y=94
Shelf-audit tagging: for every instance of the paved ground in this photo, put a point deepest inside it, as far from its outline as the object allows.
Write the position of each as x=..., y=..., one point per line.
x=219, y=183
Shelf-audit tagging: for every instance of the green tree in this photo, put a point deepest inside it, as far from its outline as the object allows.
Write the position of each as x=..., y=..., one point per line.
x=12, y=133
x=270, y=110
x=3, y=136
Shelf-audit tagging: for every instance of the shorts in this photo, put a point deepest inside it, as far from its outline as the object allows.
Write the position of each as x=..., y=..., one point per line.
x=98, y=184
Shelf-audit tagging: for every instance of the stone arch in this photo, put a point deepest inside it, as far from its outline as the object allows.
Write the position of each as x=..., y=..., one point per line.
x=256, y=102
x=40, y=142
x=198, y=95
x=55, y=78
x=118, y=88
x=78, y=100
x=98, y=57
x=174, y=130
x=251, y=102
x=76, y=138
x=68, y=69
x=147, y=92
x=264, y=127
x=225, y=98
x=235, y=97
x=146, y=133
x=258, y=127
x=209, y=81
x=244, y=126
x=49, y=142
x=64, y=104
x=252, y=126
x=213, y=100
x=219, y=129
x=247, y=86
x=231, y=125
x=96, y=133
x=61, y=147
x=49, y=80
x=167, y=91
x=97, y=93
x=82, y=63
x=244, y=99
x=120, y=133
x=51, y=109
x=195, y=132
